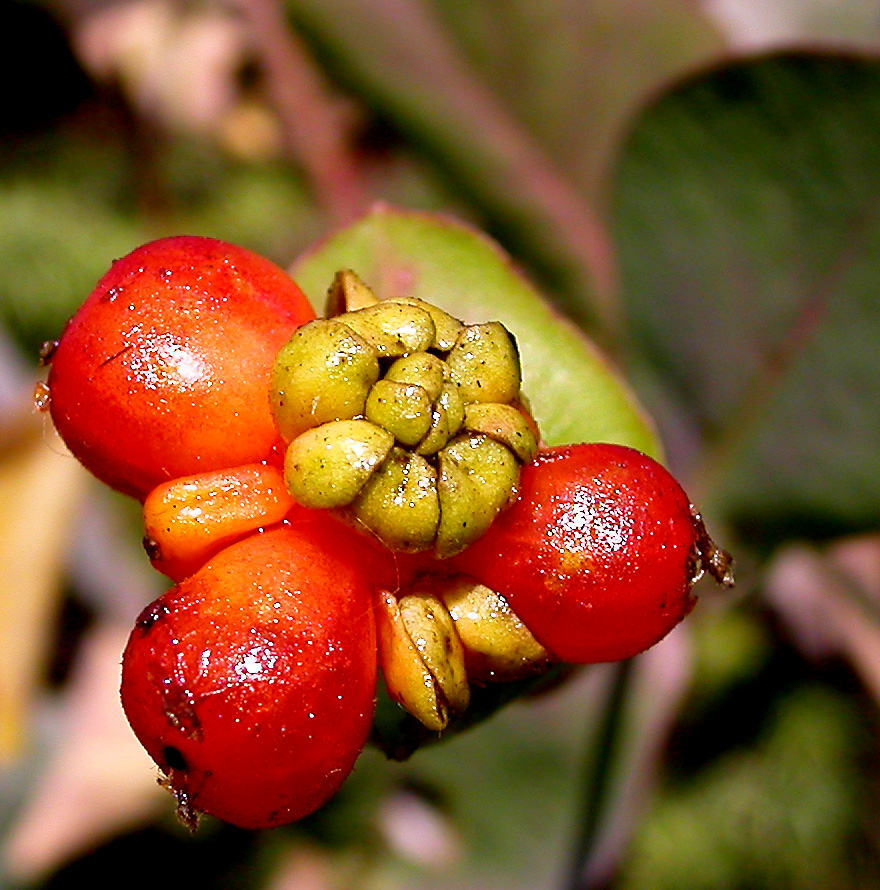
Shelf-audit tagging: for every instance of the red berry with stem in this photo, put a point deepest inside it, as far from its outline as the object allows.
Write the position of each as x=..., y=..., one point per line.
x=598, y=555
x=251, y=683
x=164, y=370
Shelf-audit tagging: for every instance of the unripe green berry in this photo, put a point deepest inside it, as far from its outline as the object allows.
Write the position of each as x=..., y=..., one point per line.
x=324, y=372
x=437, y=393
x=328, y=465
x=485, y=364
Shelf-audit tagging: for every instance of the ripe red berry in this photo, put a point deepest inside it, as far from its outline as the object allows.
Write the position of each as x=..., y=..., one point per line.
x=251, y=683
x=164, y=370
x=189, y=520
x=598, y=555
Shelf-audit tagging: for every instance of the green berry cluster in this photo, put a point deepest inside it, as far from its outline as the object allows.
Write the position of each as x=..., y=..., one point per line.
x=402, y=418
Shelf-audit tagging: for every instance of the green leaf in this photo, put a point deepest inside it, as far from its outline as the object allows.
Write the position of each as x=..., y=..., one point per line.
x=575, y=394
x=574, y=73
x=747, y=211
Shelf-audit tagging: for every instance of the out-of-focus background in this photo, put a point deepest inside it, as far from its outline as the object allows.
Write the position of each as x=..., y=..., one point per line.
x=698, y=186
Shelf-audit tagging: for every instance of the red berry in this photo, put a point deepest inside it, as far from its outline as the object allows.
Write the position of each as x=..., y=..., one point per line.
x=164, y=370
x=251, y=683
x=188, y=520
x=597, y=556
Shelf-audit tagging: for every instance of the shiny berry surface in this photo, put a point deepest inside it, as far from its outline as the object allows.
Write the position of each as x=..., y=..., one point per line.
x=189, y=520
x=251, y=683
x=164, y=370
x=598, y=555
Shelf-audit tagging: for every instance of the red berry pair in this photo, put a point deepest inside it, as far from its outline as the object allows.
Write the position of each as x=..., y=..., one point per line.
x=252, y=682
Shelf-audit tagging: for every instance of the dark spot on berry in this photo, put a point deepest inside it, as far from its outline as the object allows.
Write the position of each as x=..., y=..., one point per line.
x=153, y=613
x=116, y=355
x=47, y=350
x=173, y=758
x=152, y=548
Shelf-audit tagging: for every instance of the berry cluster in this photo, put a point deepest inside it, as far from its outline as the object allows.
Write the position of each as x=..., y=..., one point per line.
x=336, y=496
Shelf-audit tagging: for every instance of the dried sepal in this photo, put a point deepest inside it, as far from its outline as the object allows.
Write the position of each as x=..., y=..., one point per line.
x=421, y=657
x=498, y=646
x=348, y=293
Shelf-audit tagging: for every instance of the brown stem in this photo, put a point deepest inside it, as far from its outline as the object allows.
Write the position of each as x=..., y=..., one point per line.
x=313, y=131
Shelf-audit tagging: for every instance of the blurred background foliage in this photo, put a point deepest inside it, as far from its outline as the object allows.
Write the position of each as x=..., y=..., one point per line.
x=696, y=185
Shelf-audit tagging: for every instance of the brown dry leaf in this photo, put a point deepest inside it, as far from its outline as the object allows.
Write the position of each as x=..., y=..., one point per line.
x=40, y=488
x=99, y=782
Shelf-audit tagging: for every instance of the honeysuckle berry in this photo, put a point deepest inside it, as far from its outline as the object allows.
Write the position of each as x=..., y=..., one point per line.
x=251, y=683
x=162, y=372
x=599, y=554
x=445, y=396
x=188, y=520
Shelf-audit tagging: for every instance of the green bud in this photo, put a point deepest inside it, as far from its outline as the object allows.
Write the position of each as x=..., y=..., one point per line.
x=404, y=409
x=477, y=478
x=438, y=433
x=399, y=503
x=393, y=328
x=451, y=402
x=420, y=368
x=442, y=404
x=447, y=327
x=322, y=373
x=485, y=364
x=328, y=465
x=505, y=424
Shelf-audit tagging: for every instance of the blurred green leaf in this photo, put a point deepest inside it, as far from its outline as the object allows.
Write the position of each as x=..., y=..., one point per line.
x=398, y=55
x=521, y=105
x=53, y=248
x=783, y=814
x=575, y=394
x=750, y=241
x=574, y=73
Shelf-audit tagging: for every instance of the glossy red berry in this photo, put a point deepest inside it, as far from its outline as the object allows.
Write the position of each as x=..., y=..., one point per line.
x=189, y=520
x=597, y=556
x=164, y=370
x=251, y=683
